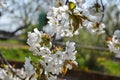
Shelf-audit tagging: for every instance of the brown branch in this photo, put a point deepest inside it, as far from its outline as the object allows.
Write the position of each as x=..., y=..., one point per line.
x=103, y=9
x=83, y=46
x=8, y=34
x=4, y=32
x=93, y=47
x=66, y=2
x=10, y=67
x=4, y=37
x=20, y=28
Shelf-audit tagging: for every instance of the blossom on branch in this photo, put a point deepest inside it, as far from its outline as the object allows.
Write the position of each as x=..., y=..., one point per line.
x=95, y=28
x=114, y=43
x=38, y=40
x=63, y=20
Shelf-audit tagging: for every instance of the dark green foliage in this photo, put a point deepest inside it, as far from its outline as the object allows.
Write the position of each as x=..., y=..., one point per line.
x=42, y=20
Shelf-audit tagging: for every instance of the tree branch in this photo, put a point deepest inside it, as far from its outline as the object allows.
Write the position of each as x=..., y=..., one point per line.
x=9, y=66
x=66, y=2
x=20, y=28
x=103, y=9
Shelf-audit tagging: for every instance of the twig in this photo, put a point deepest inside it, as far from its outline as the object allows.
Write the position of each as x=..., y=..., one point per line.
x=9, y=66
x=85, y=46
x=92, y=47
x=66, y=2
x=96, y=1
x=103, y=9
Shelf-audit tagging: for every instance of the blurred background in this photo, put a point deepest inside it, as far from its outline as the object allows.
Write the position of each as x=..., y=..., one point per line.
x=18, y=17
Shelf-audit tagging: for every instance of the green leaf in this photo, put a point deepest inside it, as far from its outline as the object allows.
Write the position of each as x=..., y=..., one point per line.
x=77, y=20
x=71, y=6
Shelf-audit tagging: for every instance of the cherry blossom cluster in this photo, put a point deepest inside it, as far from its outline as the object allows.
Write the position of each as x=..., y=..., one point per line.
x=114, y=43
x=54, y=58
x=6, y=74
x=64, y=20
x=67, y=19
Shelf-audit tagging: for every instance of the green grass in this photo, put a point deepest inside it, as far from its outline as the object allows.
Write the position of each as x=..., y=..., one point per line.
x=17, y=54
x=112, y=67
x=10, y=41
x=106, y=66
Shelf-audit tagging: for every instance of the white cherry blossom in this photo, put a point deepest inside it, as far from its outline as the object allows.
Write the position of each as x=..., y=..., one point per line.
x=36, y=43
x=52, y=78
x=95, y=28
x=114, y=44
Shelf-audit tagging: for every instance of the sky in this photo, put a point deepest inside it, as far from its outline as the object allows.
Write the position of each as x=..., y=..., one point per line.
x=7, y=23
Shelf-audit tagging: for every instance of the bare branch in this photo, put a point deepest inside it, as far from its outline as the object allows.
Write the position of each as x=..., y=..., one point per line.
x=20, y=28
x=9, y=35
x=103, y=9
x=66, y=2
x=9, y=66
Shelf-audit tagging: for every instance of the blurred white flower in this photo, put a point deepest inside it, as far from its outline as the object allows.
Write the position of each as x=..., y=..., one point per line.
x=114, y=44
x=74, y=1
x=54, y=62
x=59, y=22
x=37, y=41
x=95, y=28
x=52, y=78
x=113, y=48
x=70, y=51
x=4, y=75
x=116, y=37
x=29, y=69
x=44, y=52
x=8, y=75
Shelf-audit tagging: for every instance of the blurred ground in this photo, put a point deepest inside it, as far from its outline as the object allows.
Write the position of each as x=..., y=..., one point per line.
x=12, y=45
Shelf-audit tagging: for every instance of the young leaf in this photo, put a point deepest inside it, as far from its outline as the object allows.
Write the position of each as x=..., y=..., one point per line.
x=72, y=64
x=71, y=6
x=64, y=70
x=77, y=20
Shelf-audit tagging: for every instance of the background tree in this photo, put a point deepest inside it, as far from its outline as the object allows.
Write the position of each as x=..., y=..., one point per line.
x=22, y=15
x=112, y=16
